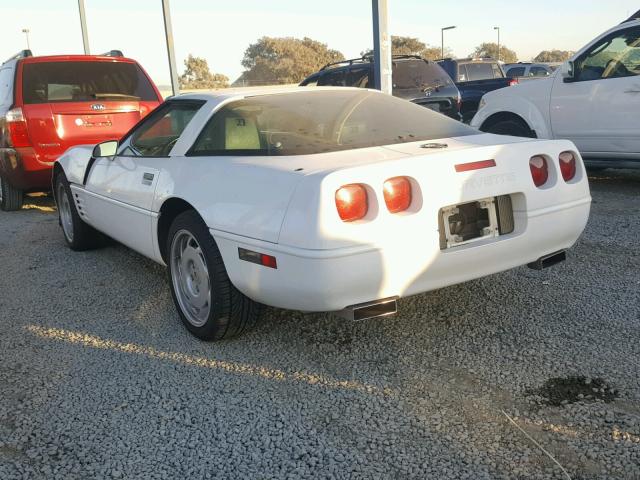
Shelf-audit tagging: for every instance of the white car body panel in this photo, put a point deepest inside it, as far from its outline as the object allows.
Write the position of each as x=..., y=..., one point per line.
x=599, y=116
x=285, y=206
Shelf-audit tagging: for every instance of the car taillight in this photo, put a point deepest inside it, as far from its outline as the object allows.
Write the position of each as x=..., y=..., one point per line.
x=397, y=194
x=17, y=127
x=352, y=202
x=513, y=81
x=539, y=170
x=567, y=165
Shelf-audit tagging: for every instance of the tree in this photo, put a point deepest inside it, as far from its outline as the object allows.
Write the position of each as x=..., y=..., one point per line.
x=553, y=56
x=286, y=59
x=489, y=49
x=198, y=76
x=413, y=46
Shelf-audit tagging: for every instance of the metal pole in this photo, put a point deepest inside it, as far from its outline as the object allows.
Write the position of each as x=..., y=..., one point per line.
x=168, y=32
x=498, y=29
x=442, y=43
x=26, y=32
x=382, y=71
x=83, y=26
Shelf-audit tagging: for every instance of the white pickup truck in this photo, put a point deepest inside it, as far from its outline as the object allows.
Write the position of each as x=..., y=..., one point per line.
x=592, y=99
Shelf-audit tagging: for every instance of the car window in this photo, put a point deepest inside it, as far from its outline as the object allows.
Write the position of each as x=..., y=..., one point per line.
x=462, y=73
x=419, y=74
x=50, y=82
x=310, y=82
x=497, y=71
x=615, y=56
x=316, y=121
x=516, y=72
x=156, y=135
x=333, y=78
x=479, y=71
x=538, y=72
x=6, y=86
x=358, y=77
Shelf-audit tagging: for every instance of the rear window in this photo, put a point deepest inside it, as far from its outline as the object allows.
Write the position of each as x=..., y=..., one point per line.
x=419, y=74
x=52, y=82
x=318, y=122
x=516, y=72
x=479, y=71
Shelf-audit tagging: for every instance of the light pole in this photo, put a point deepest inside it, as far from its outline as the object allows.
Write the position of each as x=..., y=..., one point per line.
x=83, y=27
x=498, y=29
x=26, y=32
x=442, y=39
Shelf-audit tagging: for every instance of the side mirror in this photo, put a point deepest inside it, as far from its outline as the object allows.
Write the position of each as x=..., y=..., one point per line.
x=105, y=149
x=567, y=70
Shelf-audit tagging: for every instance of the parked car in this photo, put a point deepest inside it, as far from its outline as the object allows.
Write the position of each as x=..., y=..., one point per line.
x=527, y=70
x=474, y=77
x=50, y=103
x=324, y=199
x=592, y=100
x=415, y=79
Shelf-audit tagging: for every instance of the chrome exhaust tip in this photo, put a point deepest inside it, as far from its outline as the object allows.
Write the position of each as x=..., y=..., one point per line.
x=374, y=309
x=548, y=260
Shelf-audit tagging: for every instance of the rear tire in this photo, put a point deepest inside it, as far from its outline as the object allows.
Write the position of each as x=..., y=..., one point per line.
x=514, y=128
x=78, y=234
x=209, y=305
x=11, y=198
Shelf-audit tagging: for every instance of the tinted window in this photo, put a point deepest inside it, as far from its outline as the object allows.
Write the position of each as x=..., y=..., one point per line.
x=6, y=86
x=52, y=82
x=617, y=55
x=317, y=122
x=479, y=71
x=497, y=71
x=332, y=78
x=538, y=72
x=158, y=133
x=310, y=82
x=358, y=77
x=418, y=74
x=516, y=72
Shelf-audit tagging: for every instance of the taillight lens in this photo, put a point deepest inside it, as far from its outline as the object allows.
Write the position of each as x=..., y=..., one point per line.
x=397, y=194
x=17, y=127
x=513, y=81
x=539, y=170
x=567, y=165
x=352, y=202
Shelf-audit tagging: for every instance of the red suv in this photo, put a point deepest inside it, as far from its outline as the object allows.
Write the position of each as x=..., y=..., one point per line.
x=48, y=104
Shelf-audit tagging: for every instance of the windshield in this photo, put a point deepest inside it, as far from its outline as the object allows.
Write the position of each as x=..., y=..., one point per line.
x=51, y=82
x=318, y=122
x=412, y=74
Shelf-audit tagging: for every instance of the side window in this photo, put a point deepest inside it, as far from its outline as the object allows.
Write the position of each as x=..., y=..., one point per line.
x=311, y=81
x=615, y=56
x=358, y=77
x=332, y=78
x=156, y=135
x=497, y=71
x=516, y=72
x=6, y=86
x=462, y=73
x=538, y=72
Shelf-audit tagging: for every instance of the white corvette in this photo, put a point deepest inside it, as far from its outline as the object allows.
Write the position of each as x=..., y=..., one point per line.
x=331, y=199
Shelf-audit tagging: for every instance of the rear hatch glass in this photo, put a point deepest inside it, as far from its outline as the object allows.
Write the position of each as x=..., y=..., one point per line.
x=418, y=74
x=53, y=82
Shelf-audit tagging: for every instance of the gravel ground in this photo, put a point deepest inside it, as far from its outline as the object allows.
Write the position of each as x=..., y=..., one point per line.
x=98, y=378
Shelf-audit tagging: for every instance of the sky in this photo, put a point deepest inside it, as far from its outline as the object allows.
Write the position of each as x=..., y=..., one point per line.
x=221, y=30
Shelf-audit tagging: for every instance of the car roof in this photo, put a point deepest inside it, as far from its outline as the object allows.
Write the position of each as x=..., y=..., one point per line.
x=76, y=58
x=244, y=92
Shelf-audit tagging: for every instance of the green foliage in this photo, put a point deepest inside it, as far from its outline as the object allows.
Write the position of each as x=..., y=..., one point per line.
x=489, y=49
x=413, y=46
x=553, y=56
x=198, y=76
x=286, y=59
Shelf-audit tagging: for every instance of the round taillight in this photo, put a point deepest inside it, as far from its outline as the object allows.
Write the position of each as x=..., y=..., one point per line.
x=539, y=170
x=567, y=165
x=397, y=194
x=351, y=202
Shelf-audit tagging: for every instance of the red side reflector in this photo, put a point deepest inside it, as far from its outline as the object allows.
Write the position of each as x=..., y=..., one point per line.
x=257, y=258
x=465, y=167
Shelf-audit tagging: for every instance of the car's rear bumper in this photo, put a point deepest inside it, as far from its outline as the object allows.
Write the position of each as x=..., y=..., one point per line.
x=330, y=280
x=23, y=170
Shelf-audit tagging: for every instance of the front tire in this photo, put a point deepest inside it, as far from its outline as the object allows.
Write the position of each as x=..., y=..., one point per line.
x=11, y=198
x=208, y=304
x=514, y=128
x=78, y=235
